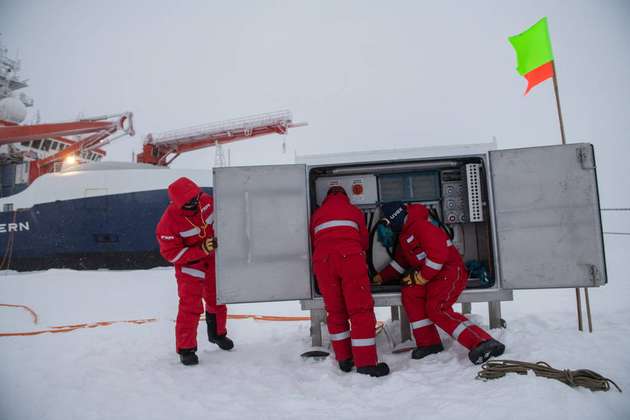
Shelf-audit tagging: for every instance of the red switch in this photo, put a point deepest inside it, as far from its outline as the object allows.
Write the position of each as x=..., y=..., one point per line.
x=357, y=189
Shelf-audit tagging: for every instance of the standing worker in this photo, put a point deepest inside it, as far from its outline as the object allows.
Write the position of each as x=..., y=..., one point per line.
x=340, y=239
x=433, y=277
x=186, y=237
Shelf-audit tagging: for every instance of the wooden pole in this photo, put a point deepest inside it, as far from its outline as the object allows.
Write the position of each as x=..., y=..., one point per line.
x=555, y=89
x=564, y=141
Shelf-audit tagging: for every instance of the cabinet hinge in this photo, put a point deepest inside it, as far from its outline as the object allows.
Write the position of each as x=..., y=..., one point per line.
x=595, y=277
x=585, y=158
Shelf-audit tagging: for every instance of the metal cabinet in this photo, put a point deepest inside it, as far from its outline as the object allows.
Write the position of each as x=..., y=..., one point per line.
x=261, y=223
x=544, y=228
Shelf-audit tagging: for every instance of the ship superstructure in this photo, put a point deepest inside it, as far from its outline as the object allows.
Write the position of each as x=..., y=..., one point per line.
x=29, y=150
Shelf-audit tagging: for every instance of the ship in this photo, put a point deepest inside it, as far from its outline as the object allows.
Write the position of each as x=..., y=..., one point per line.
x=63, y=206
x=89, y=216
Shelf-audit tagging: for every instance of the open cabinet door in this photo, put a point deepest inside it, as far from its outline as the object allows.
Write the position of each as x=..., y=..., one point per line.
x=547, y=217
x=261, y=224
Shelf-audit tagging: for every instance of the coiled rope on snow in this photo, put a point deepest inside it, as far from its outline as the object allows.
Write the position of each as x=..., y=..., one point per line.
x=586, y=378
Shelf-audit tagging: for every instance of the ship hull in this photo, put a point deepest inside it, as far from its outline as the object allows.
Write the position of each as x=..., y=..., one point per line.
x=106, y=232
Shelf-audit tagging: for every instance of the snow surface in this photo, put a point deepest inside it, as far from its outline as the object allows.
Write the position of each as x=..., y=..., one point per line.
x=129, y=371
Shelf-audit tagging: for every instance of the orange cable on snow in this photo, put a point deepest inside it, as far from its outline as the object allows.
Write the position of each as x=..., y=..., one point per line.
x=74, y=327
x=68, y=328
x=105, y=323
x=33, y=313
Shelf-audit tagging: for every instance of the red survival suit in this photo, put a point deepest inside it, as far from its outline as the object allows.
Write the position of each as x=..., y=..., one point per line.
x=340, y=239
x=426, y=248
x=180, y=234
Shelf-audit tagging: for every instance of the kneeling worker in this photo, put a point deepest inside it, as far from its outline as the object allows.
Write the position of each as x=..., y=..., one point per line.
x=186, y=237
x=340, y=238
x=434, y=275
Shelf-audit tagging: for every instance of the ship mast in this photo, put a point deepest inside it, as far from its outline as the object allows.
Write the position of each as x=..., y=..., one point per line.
x=12, y=106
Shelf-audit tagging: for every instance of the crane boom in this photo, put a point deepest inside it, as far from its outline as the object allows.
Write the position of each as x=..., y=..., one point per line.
x=100, y=130
x=19, y=133
x=158, y=147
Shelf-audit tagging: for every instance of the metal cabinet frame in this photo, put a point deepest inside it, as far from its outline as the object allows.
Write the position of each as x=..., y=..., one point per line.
x=547, y=192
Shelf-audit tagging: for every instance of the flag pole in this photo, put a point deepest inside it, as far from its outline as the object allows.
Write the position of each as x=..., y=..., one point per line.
x=577, y=290
x=555, y=89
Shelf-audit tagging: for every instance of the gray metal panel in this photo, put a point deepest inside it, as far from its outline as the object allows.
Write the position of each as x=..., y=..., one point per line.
x=261, y=223
x=547, y=217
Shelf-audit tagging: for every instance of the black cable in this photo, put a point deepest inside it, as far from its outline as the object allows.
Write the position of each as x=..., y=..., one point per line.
x=447, y=229
x=392, y=252
x=371, y=218
x=370, y=257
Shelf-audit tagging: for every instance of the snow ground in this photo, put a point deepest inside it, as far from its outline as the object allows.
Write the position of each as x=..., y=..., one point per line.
x=128, y=371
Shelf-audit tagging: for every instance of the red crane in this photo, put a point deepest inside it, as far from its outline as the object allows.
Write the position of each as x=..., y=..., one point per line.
x=161, y=149
x=101, y=130
x=158, y=149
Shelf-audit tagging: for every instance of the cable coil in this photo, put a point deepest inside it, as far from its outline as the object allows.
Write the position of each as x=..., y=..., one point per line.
x=495, y=369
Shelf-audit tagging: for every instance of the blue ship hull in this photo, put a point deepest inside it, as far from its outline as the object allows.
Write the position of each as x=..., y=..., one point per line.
x=111, y=232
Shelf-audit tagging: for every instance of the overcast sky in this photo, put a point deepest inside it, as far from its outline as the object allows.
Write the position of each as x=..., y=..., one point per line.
x=364, y=74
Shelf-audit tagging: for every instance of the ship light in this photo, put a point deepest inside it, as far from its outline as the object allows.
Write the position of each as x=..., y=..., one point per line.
x=71, y=160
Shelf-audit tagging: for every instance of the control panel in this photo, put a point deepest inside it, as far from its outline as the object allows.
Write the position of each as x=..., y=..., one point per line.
x=361, y=189
x=410, y=187
x=454, y=196
x=475, y=202
x=456, y=192
x=462, y=200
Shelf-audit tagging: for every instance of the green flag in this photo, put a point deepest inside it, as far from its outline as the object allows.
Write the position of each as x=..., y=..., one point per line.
x=533, y=54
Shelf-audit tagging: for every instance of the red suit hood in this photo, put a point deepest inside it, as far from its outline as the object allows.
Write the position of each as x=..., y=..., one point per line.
x=181, y=191
x=416, y=212
x=336, y=198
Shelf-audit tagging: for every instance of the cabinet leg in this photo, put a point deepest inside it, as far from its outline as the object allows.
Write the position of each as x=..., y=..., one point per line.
x=588, y=310
x=578, y=301
x=494, y=313
x=317, y=317
x=466, y=308
x=405, y=328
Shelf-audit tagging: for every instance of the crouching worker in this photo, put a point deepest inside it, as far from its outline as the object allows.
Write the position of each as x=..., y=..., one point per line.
x=433, y=276
x=186, y=239
x=340, y=238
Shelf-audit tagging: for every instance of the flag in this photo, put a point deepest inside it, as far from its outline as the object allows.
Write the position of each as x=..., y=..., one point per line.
x=533, y=54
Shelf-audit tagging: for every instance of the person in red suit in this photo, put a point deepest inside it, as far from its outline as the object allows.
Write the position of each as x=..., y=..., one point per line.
x=340, y=239
x=186, y=237
x=433, y=276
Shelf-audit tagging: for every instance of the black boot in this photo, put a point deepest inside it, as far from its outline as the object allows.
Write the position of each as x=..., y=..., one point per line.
x=222, y=341
x=381, y=369
x=188, y=357
x=420, y=352
x=486, y=350
x=346, y=365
